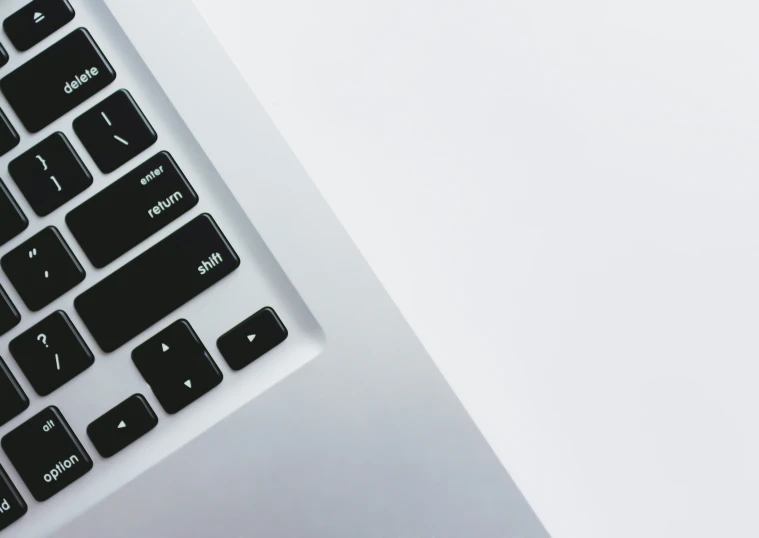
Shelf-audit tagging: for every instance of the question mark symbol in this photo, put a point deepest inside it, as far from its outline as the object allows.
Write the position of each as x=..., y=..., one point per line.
x=42, y=338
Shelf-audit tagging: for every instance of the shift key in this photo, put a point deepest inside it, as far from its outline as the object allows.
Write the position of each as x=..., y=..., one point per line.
x=157, y=282
x=131, y=209
x=58, y=79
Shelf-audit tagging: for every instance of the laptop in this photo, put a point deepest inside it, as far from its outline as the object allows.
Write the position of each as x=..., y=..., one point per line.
x=182, y=360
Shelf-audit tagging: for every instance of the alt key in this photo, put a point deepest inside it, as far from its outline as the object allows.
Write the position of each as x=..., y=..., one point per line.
x=46, y=453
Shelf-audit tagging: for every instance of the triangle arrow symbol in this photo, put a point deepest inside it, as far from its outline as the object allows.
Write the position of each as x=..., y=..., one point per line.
x=251, y=337
x=122, y=424
x=164, y=347
x=188, y=384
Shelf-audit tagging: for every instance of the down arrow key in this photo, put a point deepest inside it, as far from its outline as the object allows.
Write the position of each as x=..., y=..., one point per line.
x=182, y=375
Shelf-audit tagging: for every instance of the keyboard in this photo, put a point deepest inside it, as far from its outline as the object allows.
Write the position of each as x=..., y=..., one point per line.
x=103, y=240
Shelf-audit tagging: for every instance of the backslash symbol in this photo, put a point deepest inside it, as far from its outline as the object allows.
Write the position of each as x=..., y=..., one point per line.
x=110, y=124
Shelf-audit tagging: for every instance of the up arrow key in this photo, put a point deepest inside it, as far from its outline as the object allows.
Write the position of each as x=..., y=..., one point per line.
x=122, y=424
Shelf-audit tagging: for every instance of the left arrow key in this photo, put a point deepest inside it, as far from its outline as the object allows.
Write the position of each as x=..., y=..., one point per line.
x=110, y=433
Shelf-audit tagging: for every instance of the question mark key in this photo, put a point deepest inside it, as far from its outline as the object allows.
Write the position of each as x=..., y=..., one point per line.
x=42, y=338
x=51, y=353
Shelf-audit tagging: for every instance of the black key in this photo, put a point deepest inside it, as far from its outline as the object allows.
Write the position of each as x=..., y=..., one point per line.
x=9, y=316
x=42, y=268
x=51, y=353
x=114, y=131
x=122, y=425
x=37, y=20
x=8, y=136
x=57, y=80
x=50, y=174
x=12, y=219
x=252, y=338
x=156, y=282
x=46, y=453
x=12, y=506
x=3, y=56
x=131, y=209
x=13, y=400
x=177, y=366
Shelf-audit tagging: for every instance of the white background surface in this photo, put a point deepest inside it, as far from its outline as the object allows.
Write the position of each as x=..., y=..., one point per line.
x=558, y=195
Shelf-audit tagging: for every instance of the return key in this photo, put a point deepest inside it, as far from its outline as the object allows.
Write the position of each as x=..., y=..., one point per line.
x=131, y=209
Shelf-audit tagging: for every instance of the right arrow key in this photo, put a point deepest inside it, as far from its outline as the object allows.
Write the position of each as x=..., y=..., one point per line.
x=122, y=425
x=251, y=338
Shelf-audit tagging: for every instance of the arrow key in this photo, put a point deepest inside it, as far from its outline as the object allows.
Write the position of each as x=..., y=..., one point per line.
x=251, y=338
x=177, y=366
x=122, y=425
